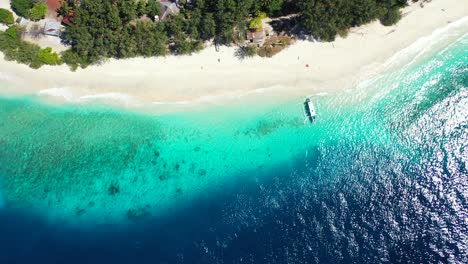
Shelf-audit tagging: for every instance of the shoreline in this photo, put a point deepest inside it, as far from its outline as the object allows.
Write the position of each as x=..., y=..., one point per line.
x=201, y=79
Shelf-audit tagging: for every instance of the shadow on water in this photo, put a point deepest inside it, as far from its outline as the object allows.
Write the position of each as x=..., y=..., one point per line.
x=189, y=234
x=341, y=203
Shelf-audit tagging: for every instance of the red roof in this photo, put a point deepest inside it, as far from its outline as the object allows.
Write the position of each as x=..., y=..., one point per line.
x=67, y=20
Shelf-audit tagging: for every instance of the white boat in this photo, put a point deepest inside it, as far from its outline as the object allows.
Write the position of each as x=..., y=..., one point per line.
x=310, y=109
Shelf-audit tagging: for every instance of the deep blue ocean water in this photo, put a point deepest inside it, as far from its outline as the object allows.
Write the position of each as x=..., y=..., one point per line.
x=381, y=177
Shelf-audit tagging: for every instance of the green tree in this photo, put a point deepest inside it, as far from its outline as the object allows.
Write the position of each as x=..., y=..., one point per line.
x=18, y=50
x=197, y=46
x=127, y=47
x=127, y=9
x=141, y=8
x=150, y=39
x=250, y=51
x=112, y=19
x=46, y=56
x=246, y=52
x=13, y=32
x=324, y=19
x=21, y=7
x=6, y=17
x=272, y=7
x=73, y=60
x=182, y=47
x=365, y=12
x=391, y=17
x=225, y=17
x=175, y=27
x=65, y=9
x=208, y=26
x=38, y=11
x=193, y=26
x=153, y=9
x=256, y=24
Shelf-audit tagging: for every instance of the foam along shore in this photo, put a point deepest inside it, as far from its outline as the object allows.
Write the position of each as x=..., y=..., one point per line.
x=208, y=75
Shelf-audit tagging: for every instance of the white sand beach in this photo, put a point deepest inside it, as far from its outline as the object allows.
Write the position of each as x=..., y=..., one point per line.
x=210, y=74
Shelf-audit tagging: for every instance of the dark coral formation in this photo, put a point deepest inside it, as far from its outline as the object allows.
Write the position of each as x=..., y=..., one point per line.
x=202, y=172
x=80, y=211
x=137, y=214
x=114, y=189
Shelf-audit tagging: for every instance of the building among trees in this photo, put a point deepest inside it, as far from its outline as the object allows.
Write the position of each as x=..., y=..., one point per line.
x=168, y=8
x=53, y=28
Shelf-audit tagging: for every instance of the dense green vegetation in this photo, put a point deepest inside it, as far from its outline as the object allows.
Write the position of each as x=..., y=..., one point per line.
x=22, y=7
x=47, y=56
x=103, y=29
x=38, y=11
x=390, y=16
x=31, y=9
x=256, y=23
x=124, y=28
x=324, y=19
x=24, y=52
x=6, y=17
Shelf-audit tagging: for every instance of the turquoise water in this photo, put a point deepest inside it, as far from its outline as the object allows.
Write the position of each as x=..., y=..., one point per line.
x=79, y=163
x=385, y=161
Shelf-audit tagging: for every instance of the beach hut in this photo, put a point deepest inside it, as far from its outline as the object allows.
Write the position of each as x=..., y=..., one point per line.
x=53, y=28
x=256, y=37
x=168, y=8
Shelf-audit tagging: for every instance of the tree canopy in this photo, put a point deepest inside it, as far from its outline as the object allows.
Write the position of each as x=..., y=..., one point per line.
x=47, y=56
x=101, y=29
x=21, y=7
x=324, y=19
x=25, y=52
x=6, y=17
x=38, y=11
x=126, y=28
